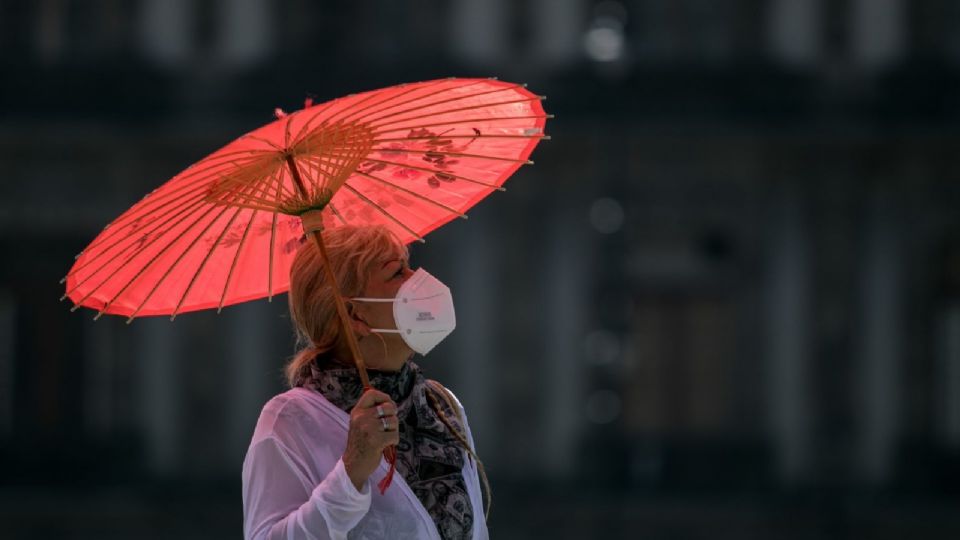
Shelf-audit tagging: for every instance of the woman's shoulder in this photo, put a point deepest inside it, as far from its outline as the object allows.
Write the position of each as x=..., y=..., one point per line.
x=293, y=408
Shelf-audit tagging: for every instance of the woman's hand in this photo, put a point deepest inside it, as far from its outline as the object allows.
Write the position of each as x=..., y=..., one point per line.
x=367, y=438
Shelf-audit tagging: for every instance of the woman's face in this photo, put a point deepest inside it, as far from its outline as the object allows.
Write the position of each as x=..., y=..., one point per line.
x=386, y=277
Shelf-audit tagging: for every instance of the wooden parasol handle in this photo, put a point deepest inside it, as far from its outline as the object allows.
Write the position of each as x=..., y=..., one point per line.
x=331, y=278
x=342, y=311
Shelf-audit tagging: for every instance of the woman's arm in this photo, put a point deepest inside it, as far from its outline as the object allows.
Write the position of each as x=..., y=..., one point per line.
x=276, y=505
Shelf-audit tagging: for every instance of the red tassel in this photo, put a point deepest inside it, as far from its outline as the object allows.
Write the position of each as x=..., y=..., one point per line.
x=390, y=453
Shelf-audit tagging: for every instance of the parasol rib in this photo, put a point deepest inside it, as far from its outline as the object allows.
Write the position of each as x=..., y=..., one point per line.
x=414, y=99
x=441, y=102
x=149, y=263
x=175, y=262
x=236, y=257
x=133, y=242
x=456, y=122
x=413, y=193
x=492, y=136
x=142, y=205
x=331, y=120
x=427, y=169
x=380, y=209
x=454, y=154
x=459, y=109
x=203, y=264
x=337, y=213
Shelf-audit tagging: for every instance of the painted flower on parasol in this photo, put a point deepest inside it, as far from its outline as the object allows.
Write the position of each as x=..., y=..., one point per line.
x=411, y=157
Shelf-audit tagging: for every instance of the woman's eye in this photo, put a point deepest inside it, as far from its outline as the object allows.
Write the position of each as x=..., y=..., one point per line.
x=399, y=272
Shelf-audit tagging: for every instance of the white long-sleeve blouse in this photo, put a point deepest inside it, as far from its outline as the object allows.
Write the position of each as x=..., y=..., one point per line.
x=296, y=488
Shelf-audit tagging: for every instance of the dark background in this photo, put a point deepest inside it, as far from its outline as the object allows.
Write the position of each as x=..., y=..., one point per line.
x=724, y=303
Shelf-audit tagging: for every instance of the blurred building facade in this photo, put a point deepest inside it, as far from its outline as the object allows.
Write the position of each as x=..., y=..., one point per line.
x=733, y=272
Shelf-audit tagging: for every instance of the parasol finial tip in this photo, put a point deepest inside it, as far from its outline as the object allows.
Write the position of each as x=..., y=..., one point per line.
x=546, y=138
x=62, y=298
x=97, y=316
x=130, y=319
x=529, y=162
x=63, y=279
x=551, y=116
x=74, y=308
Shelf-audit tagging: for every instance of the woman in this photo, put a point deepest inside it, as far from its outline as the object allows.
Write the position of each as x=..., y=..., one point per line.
x=315, y=459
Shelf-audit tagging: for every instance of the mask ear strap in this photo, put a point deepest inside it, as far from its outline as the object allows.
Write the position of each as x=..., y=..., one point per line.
x=381, y=330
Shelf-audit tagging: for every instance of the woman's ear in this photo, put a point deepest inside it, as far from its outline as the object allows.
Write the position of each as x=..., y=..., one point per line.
x=360, y=328
x=359, y=325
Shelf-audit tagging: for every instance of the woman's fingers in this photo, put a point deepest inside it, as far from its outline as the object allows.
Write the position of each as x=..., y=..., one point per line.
x=388, y=408
x=372, y=397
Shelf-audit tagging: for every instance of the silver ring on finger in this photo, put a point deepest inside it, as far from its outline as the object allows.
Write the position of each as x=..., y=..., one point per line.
x=386, y=426
x=380, y=413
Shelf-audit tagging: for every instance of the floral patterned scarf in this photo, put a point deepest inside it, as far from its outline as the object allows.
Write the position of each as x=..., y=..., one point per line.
x=428, y=456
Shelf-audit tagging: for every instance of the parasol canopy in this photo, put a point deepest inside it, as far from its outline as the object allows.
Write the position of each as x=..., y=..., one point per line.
x=411, y=157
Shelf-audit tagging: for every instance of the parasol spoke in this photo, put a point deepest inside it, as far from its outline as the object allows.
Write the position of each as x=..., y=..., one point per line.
x=154, y=259
x=273, y=234
x=182, y=215
x=203, y=264
x=206, y=258
x=224, y=156
x=117, y=226
x=429, y=170
x=413, y=193
x=275, y=147
x=492, y=136
x=286, y=132
x=167, y=197
x=176, y=262
x=133, y=241
x=418, y=86
x=461, y=109
x=380, y=209
x=157, y=226
x=444, y=102
x=255, y=189
x=454, y=154
x=333, y=118
x=337, y=213
x=353, y=110
x=236, y=257
x=456, y=123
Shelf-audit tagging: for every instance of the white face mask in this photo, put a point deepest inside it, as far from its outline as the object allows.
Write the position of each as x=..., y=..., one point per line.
x=422, y=311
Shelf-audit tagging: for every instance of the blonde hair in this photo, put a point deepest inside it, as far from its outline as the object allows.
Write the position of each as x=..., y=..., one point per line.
x=352, y=252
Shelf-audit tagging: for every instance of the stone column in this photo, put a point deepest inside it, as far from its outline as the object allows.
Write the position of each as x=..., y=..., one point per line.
x=788, y=316
x=878, y=397
x=158, y=362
